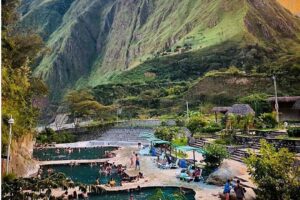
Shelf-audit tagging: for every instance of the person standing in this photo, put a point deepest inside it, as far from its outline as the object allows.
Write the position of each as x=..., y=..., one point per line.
x=227, y=189
x=132, y=159
x=137, y=162
x=239, y=191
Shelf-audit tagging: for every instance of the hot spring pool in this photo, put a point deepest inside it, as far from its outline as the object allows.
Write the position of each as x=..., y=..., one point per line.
x=144, y=194
x=83, y=173
x=76, y=154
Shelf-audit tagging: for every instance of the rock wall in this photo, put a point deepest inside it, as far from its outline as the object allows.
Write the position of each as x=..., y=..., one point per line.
x=21, y=156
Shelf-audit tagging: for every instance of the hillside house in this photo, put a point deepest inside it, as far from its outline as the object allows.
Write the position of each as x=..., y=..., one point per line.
x=289, y=107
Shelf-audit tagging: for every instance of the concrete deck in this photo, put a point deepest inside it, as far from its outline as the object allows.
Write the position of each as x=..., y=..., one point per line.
x=64, y=162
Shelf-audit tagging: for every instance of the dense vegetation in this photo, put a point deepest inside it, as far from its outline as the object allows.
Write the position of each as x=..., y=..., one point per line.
x=214, y=155
x=275, y=173
x=19, y=88
x=13, y=188
x=49, y=136
x=167, y=41
x=160, y=195
x=82, y=104
x=173, y=134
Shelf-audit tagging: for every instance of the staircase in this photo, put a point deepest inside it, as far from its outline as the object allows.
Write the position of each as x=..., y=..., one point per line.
x=199, y=143
x=255, y=145
x=243, y=182
x=238, y=155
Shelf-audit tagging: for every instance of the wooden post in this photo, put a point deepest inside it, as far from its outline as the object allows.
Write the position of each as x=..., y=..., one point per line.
x=216, y=117
x=194, y=159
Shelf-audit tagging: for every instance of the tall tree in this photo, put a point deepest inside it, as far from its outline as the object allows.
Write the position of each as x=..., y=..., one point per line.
x=19, y=49
x=82, y=103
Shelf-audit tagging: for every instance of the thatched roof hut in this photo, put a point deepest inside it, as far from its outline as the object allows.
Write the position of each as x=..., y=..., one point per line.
x=220, y=109
x=289, y=107
x=241, y=109
x=286, y=99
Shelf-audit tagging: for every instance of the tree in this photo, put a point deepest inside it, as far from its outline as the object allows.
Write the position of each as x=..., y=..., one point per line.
x=19, y=87
x=196, y=123
x=258, y=102
x=82, y=103
x=214, y=155
x=168, y=133
x=275, y=172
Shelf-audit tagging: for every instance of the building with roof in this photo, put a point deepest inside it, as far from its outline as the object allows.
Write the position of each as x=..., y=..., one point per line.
x=241, y=110
x=289, y=107
x=221, y=110
x=236, y=109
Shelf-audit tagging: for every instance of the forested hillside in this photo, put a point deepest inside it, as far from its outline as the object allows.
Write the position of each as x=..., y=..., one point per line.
x=94, y=42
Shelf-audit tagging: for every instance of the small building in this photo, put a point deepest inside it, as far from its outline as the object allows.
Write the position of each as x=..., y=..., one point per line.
x=289, y=107
x=241, y=110
x=217, y=110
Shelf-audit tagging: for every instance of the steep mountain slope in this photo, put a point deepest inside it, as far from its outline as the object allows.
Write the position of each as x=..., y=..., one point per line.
x=93, y=41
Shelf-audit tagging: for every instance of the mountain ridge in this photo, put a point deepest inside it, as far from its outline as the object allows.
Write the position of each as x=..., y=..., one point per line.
x=92, y=41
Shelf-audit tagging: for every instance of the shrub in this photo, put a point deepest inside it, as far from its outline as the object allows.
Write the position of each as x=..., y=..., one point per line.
x=167, y=133
x=275, y=173
x=179, y=121
x=49, y=136
x=211, y=129
x=294, y=131
x=182, y=141
x=164, y=123
x=268, y=120
x=9, y=177
x=214, y=155
x=196, y=123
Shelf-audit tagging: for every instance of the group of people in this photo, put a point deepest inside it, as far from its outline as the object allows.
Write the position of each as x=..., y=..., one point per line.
x=108, y=154
x=135, y=160
x=238, y=189
x=191, y=173
x=74, y=195
x=106, y=169
x=68, y=150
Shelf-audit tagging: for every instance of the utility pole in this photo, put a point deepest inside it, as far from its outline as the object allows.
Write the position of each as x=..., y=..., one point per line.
x=276, y=99
x=187, y=110
x=10, y=122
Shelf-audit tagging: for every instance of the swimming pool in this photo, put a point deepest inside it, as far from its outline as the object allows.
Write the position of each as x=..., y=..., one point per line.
x=83, y=173
x=76, y=154
x=144, y=194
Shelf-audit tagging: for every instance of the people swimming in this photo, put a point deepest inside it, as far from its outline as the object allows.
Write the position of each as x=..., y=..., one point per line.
x=112, y=182
x=97, y=181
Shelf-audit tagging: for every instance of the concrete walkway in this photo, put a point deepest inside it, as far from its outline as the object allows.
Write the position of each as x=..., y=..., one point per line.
x=64, y=162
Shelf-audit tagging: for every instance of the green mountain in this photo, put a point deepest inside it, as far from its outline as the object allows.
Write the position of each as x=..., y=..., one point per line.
x=93, y=42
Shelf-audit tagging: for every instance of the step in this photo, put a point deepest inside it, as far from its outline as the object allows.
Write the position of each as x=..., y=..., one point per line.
x=237, y=159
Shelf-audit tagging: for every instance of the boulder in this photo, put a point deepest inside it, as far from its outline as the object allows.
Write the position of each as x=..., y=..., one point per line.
x=228, y=170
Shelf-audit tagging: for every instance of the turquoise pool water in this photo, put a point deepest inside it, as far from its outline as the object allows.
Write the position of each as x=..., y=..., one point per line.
x=76, y=154
x=83, y=173
x=144, y=194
